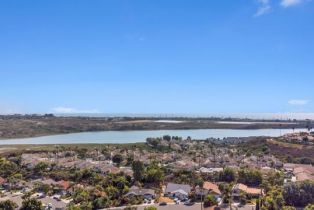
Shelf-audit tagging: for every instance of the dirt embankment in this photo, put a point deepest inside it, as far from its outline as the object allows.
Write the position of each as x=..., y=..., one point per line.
x=288, y=150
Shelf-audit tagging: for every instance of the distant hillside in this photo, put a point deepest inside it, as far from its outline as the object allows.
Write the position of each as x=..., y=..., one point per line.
x=18, y=126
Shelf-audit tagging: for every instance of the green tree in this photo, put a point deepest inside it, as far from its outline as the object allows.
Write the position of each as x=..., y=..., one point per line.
x=138, y=170
x=82, y=153
x=100, y=203
x=31, y=204
x=45, y=188
x=273, y=200
x=80, y=195
x=276, y=178
x=117, y=159
x=7, y=168
x=8, y=205
x=86, y=206
x=209, y=201
x=227, y=175
x=226, y=190
x=129, y=160
x=112, y=192
x=309, y=207
x=154, y=174
x=250, y=177
x=299, y=194
x=40, y=168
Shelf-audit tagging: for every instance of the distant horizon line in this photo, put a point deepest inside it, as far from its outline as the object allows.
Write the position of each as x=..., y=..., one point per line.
x=249, y=115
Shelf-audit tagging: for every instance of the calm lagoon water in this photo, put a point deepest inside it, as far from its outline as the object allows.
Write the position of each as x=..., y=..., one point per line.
x=120, y=137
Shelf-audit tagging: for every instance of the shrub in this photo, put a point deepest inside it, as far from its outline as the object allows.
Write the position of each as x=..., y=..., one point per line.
x=209, y=201
x=150, y=208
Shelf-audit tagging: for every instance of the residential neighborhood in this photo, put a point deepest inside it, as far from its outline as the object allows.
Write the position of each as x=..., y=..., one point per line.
x=156, y=105
x=164, y=172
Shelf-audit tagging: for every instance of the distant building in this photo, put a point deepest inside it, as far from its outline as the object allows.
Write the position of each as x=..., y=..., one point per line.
x=210, y=170
x=248, y=191
x=134, y=191
x=208, y=188
x=298, y=172
x=180, y=191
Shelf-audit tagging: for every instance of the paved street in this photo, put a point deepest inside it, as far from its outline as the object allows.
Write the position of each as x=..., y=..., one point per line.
x=196, y=206
x=55, y=204
x=176, y=207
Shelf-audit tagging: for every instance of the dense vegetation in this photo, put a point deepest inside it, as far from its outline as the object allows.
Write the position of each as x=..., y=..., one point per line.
x=94, y=190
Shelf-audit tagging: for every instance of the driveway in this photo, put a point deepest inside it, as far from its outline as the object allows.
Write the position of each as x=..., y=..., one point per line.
x=246, y=207
x=15, y=197
x=55, y=204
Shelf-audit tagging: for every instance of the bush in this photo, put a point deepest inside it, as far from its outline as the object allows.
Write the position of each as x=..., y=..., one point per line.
x=8, y=205
x=117, y=159
x=210, y=201
x=227, y=175
x=150, y=208
x=31, y=204
x=288, y=208
x=309, y=207
x=100, y=203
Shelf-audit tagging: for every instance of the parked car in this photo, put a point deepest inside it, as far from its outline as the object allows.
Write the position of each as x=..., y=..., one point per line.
x=147, y=201
x=189, y=203
x=184, y=200
x=57, y=197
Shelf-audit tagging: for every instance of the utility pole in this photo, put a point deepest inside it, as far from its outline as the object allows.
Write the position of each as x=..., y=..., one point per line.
x=201, y=197
x=230, y=200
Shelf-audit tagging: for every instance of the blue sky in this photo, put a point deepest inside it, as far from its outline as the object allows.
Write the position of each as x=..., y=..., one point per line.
x=158, y=56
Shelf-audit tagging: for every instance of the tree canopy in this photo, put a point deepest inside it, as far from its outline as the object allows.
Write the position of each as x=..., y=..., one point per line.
x=31, y=204
x=8, y=205
x=299, y=194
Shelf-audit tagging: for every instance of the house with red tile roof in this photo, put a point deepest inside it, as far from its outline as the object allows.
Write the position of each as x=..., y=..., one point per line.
x=64, y=185
x=248, y=191
x=2, y=181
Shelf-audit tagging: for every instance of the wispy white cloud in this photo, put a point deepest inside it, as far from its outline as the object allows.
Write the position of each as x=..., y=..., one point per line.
x=290, y=3
x=264, y=8
x=298, y=102
x=70, y=110
x=262, y=11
